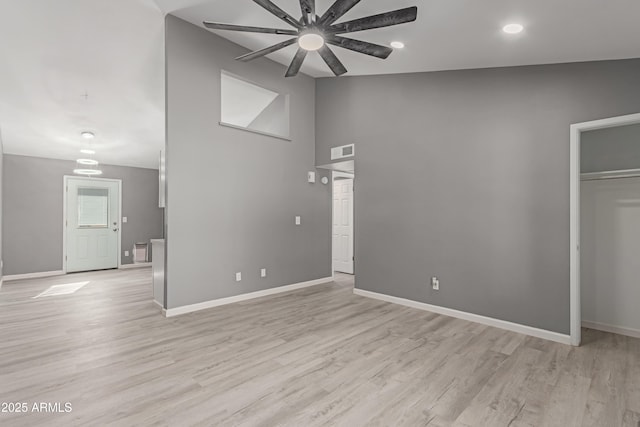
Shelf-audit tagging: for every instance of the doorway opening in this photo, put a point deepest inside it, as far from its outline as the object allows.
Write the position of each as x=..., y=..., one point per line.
x=607, y=206
x=342, y=233
x=91, y=224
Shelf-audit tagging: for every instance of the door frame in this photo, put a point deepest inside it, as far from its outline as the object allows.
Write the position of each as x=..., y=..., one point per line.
x=334, y=175
x=574, y=212
x=65, y=182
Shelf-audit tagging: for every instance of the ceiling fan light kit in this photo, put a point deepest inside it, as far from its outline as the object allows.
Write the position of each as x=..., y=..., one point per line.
x=315, y=33
x=311, y=40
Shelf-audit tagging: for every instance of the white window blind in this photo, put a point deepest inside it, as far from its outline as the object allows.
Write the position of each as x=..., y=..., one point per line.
x=93, y=207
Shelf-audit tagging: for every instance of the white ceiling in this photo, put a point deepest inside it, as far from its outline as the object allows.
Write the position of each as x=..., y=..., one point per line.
x=449, y=34
x=53, y=51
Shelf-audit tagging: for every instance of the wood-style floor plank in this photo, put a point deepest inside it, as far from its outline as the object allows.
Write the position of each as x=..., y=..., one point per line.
x=318, y=356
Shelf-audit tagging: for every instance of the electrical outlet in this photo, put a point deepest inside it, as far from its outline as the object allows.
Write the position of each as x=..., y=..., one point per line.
x=435, y=283
x=124, y=219
x=263, y=272
x=126, y=253
x=238, y=277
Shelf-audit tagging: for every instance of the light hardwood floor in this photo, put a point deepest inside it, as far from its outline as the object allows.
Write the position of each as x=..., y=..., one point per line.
x=313, y=357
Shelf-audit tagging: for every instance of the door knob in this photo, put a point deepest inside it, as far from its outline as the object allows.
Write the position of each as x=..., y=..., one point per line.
x=115, y=229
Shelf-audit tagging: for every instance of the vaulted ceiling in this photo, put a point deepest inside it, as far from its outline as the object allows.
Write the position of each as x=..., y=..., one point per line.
x=55, y=53
x=448, y=34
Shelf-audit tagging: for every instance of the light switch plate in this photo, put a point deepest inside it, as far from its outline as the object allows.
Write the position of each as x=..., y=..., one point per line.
x=126, y=253
x=263, y=272
x=238, y=277
x=311, y=177
x=124, y=219
x=298, y=220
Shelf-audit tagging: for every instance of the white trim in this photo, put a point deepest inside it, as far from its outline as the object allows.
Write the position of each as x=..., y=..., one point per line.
x=340, y=174
x=136, y=265
x=33, y=275
x=65, y=181
x=574, y=212
x=620, y=330
x=489, y=321
x=64, y=222
x=605, y=175
x=258, y=132
x=243, y=297
x=574, y=236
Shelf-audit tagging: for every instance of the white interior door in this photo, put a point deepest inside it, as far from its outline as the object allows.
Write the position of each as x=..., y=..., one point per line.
x=610, y=253
x=343, y=225
x=92, y=224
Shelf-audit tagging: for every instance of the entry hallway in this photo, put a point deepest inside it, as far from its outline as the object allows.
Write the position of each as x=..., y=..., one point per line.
x=317, y=356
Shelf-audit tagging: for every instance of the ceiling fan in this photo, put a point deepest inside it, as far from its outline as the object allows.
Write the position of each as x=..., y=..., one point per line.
x=313, y=33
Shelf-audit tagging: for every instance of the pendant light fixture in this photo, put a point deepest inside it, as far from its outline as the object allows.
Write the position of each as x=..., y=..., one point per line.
x=87, y=165
x=87, y=172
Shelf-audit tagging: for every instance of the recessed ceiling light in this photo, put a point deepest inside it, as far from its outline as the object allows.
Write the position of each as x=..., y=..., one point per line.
x=87, y=151
x=397, y=45
x=311, y=41
x=88, y=135
x=513, y=28
x=89, y=162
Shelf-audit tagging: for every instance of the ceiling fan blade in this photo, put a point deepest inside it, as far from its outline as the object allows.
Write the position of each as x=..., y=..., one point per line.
x=387, y=19
x=266, y=50
x=275, y=10
x=298, y=59
x=308, y=8
x=332, y=60
x=335, y=12
x=359, y=46
x=230, y=27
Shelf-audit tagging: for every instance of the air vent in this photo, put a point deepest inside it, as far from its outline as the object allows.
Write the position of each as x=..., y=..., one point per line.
x=343, y=151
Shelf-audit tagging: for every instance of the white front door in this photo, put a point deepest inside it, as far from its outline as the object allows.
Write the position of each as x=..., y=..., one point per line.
x=92, y=224
x=343, y=226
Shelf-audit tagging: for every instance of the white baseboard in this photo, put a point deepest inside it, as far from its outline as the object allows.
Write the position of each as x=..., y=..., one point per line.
x=33, y=275
x=137, y=265
x=620, y=330
x=243, y=297
x=489, y=321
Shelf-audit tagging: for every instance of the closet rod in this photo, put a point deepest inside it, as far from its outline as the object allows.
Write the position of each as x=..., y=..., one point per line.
x=619, y=174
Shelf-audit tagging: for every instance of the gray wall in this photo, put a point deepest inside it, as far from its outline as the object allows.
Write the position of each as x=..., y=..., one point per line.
x=610, y=149
x=232, y=195
x=33, y=211
x=464, y=175
x=1, y=180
